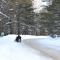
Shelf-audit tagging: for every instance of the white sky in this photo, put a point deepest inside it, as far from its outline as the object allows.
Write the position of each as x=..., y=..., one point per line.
x=37, y=5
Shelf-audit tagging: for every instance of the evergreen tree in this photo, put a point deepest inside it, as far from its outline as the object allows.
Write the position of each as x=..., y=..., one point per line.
x=54, y=10
x=25, y=15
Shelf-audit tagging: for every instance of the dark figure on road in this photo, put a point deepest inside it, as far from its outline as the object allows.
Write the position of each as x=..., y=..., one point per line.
x=18, y=38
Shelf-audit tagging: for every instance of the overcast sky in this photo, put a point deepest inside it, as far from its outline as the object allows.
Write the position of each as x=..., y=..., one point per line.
x=40, y=4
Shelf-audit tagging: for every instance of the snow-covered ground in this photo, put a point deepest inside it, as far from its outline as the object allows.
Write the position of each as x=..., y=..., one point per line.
x=11, y=50
x=53, y=43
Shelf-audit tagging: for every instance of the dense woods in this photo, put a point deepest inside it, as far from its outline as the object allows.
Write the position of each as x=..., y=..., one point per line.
x=18, y=17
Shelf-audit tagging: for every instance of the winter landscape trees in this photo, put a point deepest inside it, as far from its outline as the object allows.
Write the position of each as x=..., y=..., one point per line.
x=18, y=16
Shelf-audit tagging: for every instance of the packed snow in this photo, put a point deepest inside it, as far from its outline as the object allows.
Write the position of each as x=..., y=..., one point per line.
x=11, y=50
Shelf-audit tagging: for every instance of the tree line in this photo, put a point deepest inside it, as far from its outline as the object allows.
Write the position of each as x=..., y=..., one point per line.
x=18, y=18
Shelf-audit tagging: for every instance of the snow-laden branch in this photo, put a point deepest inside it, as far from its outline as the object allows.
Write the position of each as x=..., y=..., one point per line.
x=4, y=1
x=4, y=14
x=8, y=23
x=26, y=25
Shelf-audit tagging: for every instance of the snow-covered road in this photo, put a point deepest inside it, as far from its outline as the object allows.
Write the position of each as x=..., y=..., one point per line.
x=11, y=50
x=47, y=50
x=31, y=48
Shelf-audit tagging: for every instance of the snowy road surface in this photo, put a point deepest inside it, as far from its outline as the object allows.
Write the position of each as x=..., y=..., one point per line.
x=46, y=46
x=31, y=48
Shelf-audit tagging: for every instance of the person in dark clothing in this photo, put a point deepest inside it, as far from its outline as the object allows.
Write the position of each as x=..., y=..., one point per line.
x=18, y=38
